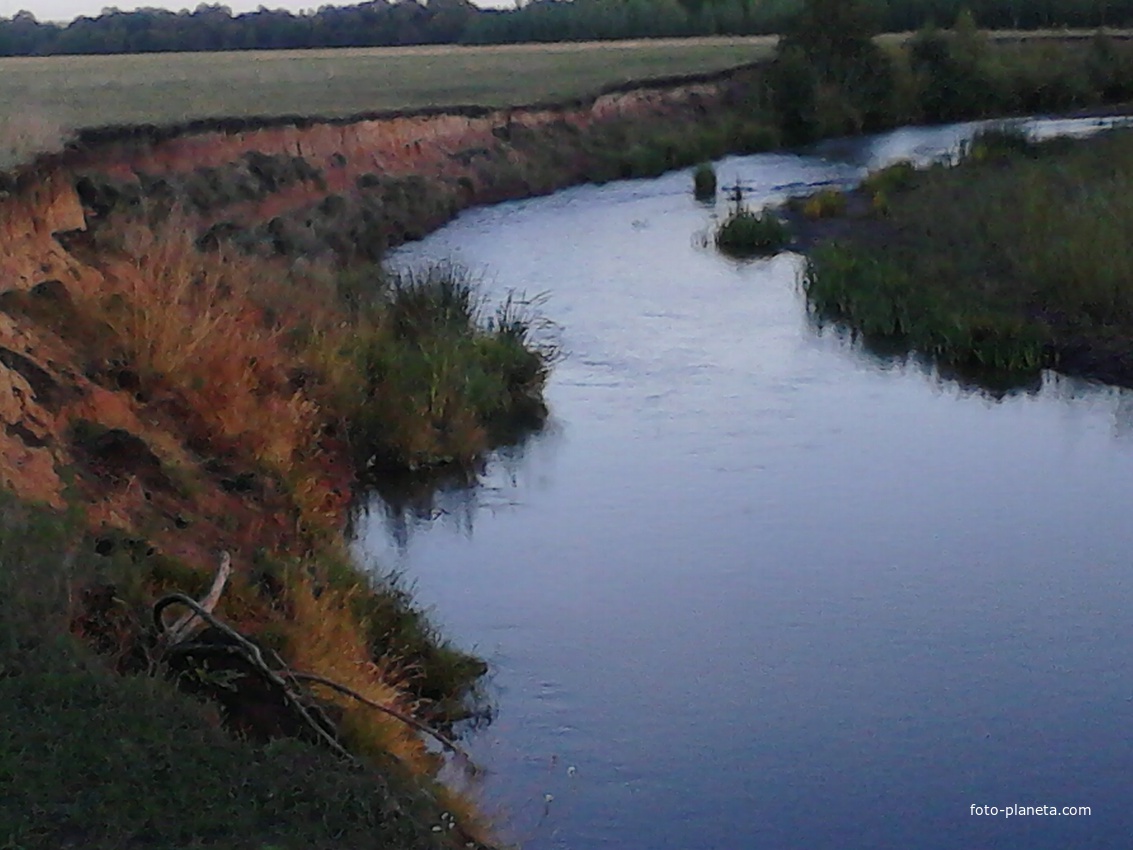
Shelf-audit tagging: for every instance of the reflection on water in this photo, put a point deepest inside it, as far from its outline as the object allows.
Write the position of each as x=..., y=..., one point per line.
x=894, y=354
x=451, y=496
x=765, y=587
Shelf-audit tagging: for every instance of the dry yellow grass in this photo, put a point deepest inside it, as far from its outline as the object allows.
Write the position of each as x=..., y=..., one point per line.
x=325, y=639
x=27, y=134
x=188, y=321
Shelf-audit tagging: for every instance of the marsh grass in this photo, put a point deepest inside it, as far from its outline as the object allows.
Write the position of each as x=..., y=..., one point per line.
x=437, y=372
x=749, y=233
x=1014, y=260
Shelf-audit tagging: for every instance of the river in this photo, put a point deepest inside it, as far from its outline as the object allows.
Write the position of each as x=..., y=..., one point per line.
x=755, y=587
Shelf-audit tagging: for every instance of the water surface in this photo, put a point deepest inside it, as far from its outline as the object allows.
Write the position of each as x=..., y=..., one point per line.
x=757, y=588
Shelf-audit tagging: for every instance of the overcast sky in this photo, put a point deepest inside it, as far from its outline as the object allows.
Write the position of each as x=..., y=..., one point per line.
x=66, y=10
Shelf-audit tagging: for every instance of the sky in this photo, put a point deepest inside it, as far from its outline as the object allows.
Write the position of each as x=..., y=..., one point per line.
x=66, y=10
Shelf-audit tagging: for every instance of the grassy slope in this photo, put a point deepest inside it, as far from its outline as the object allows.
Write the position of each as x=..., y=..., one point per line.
x=89, y=759
x=1010, y=260
x=85, y=91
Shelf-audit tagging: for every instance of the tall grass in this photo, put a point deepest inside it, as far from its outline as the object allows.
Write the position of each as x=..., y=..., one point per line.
x=1016, y=258
x=190, y=323
x=749, y=233
x=437, y=374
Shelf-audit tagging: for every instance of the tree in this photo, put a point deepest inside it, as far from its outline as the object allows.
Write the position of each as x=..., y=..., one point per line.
x=834, y=34
x=830, y=76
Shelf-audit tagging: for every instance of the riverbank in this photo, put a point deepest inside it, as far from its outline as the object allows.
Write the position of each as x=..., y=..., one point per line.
x=1013, y=260
x=94, y=759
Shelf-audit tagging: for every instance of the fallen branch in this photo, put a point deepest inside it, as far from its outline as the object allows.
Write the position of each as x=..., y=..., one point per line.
x=173, y=640
x=444, y=741
x=254, y=657
x=191, y=621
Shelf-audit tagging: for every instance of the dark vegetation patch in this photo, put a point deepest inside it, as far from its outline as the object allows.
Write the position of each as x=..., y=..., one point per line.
x=704, y=182
x=750, y=233
x=114, y=455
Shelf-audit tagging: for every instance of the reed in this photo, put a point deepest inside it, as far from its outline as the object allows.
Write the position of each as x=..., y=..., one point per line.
x=1014, y=259
x=748, y=233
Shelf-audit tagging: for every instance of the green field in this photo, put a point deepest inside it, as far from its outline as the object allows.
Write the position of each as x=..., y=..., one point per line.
x=68, y=92
x=46, y=98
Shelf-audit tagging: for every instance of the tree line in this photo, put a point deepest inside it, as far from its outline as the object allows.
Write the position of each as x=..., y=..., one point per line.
x=382, y=23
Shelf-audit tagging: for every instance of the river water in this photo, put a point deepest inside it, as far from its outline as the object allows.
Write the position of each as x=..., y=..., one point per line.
x=755, y=587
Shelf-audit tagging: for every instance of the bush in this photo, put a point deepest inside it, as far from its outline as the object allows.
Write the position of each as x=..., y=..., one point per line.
x=435, y=378
x=745, y=233
x=704, y=182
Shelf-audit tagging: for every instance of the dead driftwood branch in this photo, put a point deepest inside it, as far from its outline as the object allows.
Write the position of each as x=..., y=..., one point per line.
x=444, y=741
x=252, y=654
x=192, y=621
x=174, y=639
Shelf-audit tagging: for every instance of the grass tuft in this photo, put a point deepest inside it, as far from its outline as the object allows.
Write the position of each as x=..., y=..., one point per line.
x=436, y=375
x=746, y=233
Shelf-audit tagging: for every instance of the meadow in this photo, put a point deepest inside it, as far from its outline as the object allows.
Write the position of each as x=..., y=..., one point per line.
x=70, y=92
x=48, y=97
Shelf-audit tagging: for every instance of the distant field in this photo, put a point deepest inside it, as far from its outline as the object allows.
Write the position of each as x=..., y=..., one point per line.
x=42, y=99
x=67, y=92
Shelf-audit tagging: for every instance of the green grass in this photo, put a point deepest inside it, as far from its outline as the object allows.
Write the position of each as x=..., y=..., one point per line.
x=51, y=95
x=93, y=760
x=1015, y=259
x=46, y=98
x=439, y=376
x=747, y=233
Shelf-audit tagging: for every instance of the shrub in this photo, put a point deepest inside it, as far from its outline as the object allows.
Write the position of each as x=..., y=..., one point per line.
x=434, y=377
x=745, y=233
x=704, y=182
